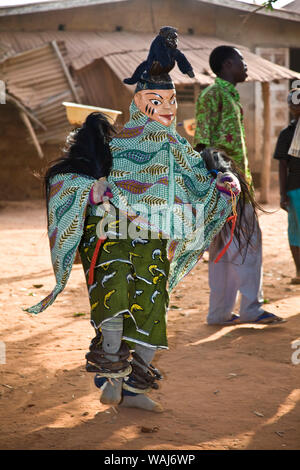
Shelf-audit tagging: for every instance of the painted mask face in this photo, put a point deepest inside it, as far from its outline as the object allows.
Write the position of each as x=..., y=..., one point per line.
x=159, y=105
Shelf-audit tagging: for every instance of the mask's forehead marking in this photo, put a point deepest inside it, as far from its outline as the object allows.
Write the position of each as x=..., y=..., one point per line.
x=156, y=94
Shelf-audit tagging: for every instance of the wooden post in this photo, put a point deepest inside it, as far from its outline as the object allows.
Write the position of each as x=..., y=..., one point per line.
x=11, y=99
x=36, y=143
x=197, y=89
x=66, y=71
x=265, y=174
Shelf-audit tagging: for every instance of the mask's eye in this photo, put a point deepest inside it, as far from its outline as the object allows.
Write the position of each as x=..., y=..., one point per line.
x=155, y=102
x=173, y=101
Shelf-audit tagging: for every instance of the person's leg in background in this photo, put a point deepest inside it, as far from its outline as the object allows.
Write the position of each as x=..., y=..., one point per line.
x=294, y=230
x=240, y=269
x=250, y=273
x=251, y=277
x=223, y=282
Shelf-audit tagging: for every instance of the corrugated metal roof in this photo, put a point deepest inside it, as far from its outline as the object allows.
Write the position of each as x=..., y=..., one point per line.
x=123, y=51
x=293, y=7
x=83, y=47
x=124, y=65
x=37, y=79
x=197, y=49
x=37, y=7
x=282, y=13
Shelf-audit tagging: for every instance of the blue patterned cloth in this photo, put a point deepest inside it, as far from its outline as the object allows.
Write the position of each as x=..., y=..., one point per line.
x=157, y=172
x=294, y=217
x=153, y=168
x=68, y=199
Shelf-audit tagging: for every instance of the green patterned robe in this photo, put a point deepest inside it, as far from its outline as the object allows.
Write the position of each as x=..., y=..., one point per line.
x=153, y=167
x=68, y=199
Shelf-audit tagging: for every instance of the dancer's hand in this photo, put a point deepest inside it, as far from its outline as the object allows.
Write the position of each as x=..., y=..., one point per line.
x=100, y=191
x=227, y=182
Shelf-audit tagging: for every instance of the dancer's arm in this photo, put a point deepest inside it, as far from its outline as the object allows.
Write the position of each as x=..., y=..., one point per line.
x=100, y=189
x=227, y=182
x=283, y=171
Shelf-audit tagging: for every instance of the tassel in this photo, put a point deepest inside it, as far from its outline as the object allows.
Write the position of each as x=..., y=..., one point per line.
x=94, y=259
x=231, y=219
x=96, y=251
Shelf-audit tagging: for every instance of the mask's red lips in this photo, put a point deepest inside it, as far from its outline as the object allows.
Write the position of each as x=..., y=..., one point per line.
x=167, y=116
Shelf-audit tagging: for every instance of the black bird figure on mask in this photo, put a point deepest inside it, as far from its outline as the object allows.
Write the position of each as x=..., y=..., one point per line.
x=162, y=57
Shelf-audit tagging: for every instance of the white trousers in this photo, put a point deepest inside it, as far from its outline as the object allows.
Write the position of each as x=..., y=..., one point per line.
x=237, y=271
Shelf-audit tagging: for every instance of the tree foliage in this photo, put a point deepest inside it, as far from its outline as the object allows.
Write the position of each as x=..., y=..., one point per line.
x=268, y=5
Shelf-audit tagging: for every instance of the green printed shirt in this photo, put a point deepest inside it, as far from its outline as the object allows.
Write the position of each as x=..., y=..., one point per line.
x=220, y=123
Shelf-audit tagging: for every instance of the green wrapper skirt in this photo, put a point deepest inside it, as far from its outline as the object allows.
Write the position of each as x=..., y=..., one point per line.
x=130, y=279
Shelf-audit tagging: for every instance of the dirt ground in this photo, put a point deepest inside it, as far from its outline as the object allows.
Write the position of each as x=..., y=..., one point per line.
x=224, y=387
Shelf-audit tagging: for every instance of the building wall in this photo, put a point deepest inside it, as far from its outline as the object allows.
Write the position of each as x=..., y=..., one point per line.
x=133, y=15
x=257, y=30
x=19, y=159
x=246, y=91
x=148, y=16
x=104, y=89
x=279, y=109
x=294, y=61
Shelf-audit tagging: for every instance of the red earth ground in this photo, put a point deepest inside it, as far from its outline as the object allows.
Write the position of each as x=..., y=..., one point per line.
x=224, y=387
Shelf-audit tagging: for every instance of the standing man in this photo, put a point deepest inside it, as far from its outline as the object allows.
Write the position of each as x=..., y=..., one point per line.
x=219, y=124
x=288, y=153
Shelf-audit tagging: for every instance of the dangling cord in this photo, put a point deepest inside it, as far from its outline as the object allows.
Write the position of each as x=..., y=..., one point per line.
x=231, y=219
x=95, y=254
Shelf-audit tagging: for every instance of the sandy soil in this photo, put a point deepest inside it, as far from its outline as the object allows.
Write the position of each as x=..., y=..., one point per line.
x=224, y=388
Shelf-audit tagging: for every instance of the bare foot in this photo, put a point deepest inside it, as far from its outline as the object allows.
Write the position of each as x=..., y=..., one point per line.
x=112, y=392
x=141, y=401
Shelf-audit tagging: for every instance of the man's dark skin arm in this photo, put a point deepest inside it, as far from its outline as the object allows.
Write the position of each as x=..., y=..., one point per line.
x=284, y=200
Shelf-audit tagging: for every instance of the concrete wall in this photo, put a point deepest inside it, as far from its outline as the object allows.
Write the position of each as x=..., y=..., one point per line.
x=146, y=16
x=258, y=30
x=134, y=15
x=19, y=159
x=246, y=91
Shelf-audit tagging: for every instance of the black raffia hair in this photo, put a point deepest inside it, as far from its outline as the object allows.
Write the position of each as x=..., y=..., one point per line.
x=86, y=151
x=218, y=160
